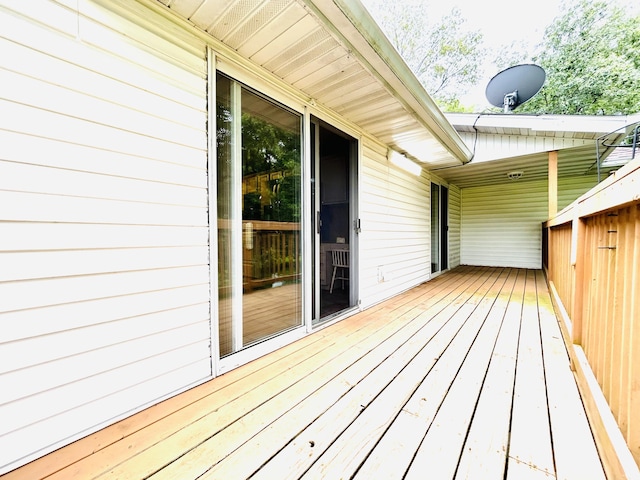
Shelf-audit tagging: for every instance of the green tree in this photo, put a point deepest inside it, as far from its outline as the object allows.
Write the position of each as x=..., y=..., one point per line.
x=270, y=149
x=591, y=55
x=442, y=54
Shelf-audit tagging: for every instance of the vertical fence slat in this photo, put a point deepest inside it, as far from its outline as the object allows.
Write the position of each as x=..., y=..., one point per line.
x=591, y=340
x=607, y=297
x=578, y=234
x=632, y=396
x=274, y=252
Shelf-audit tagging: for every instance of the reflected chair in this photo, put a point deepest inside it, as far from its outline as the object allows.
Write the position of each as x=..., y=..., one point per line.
x=339, y=260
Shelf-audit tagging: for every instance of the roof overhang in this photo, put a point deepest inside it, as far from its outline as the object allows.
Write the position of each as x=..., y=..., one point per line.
x=565, y=126
x=521, y=143
x=334, y=55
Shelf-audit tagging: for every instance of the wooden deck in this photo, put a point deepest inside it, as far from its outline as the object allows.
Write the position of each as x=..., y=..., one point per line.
x=465, y=376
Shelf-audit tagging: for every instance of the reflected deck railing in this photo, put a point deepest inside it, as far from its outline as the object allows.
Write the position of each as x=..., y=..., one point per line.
x=271, y=252
x=592, y=258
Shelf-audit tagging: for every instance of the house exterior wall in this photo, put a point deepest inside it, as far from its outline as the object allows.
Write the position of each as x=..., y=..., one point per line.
x=454, y=226
x=394, y=242
x=494, y=146
x=104, y=229
x=501, y=224
x=569, y=189
x=104, y=283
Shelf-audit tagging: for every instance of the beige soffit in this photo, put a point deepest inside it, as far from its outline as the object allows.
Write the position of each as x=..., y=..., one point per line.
x=333, y=55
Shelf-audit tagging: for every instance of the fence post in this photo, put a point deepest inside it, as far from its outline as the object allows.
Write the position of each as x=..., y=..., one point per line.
x=553, y=183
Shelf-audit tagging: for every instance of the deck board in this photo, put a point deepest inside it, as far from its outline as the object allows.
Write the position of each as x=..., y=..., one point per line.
x=530, y=438
x=369, y=376
x=575, y=453
x=465, y=376
x=485, y=450
x=444, y=441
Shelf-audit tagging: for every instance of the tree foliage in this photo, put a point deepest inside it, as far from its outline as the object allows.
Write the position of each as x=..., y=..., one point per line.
x=591, y=55
x=272, y=151
x=443, y=55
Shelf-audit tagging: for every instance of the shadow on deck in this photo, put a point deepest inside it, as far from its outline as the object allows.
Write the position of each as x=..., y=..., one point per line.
x=465, y=376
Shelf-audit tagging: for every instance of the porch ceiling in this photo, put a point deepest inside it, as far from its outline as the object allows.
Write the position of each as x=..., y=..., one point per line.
x=334, y=54
x=572, y=162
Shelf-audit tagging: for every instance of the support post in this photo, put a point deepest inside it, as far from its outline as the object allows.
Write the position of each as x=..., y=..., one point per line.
x=553, y=183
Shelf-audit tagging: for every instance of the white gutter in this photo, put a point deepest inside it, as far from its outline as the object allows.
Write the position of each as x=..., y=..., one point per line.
x=543, y=123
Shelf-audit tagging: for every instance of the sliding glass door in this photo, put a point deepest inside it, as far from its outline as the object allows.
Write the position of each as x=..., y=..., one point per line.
x=333, y=168
x=439, y=228
x=259, y=217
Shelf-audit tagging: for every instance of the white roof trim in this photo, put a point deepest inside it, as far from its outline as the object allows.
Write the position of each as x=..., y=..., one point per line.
x=355, y=28
x=544, y=123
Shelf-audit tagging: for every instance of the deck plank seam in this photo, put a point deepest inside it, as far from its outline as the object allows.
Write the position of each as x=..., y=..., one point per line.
x=370, y=402
x=480, y=329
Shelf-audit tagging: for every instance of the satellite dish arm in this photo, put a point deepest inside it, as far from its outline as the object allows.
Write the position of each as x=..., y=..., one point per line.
x=510, y=101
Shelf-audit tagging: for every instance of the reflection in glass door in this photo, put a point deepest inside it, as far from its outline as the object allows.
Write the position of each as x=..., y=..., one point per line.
x=259, y=205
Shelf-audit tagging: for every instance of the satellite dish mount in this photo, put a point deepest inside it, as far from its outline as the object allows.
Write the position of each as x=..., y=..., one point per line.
x=510, y=101
x=512, y=87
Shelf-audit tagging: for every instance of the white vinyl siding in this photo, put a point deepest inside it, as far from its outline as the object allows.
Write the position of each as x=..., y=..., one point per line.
x=570, y=189
x=502, y=224
x=454, y=226
x=394, y=242
x=104, y=276
x=494, y=146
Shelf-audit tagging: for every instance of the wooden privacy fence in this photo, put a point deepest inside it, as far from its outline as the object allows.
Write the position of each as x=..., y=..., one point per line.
x=593, y=266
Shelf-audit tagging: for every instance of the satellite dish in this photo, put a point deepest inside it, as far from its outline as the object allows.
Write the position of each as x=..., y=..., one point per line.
x=514, y=86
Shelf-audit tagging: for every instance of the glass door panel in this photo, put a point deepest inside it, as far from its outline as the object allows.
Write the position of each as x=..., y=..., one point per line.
x=259, y=206
x=444, y=228
x=439, y=228
x=435, y=227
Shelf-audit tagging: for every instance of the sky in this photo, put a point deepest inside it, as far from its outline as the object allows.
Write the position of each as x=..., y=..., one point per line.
x=501, y=22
